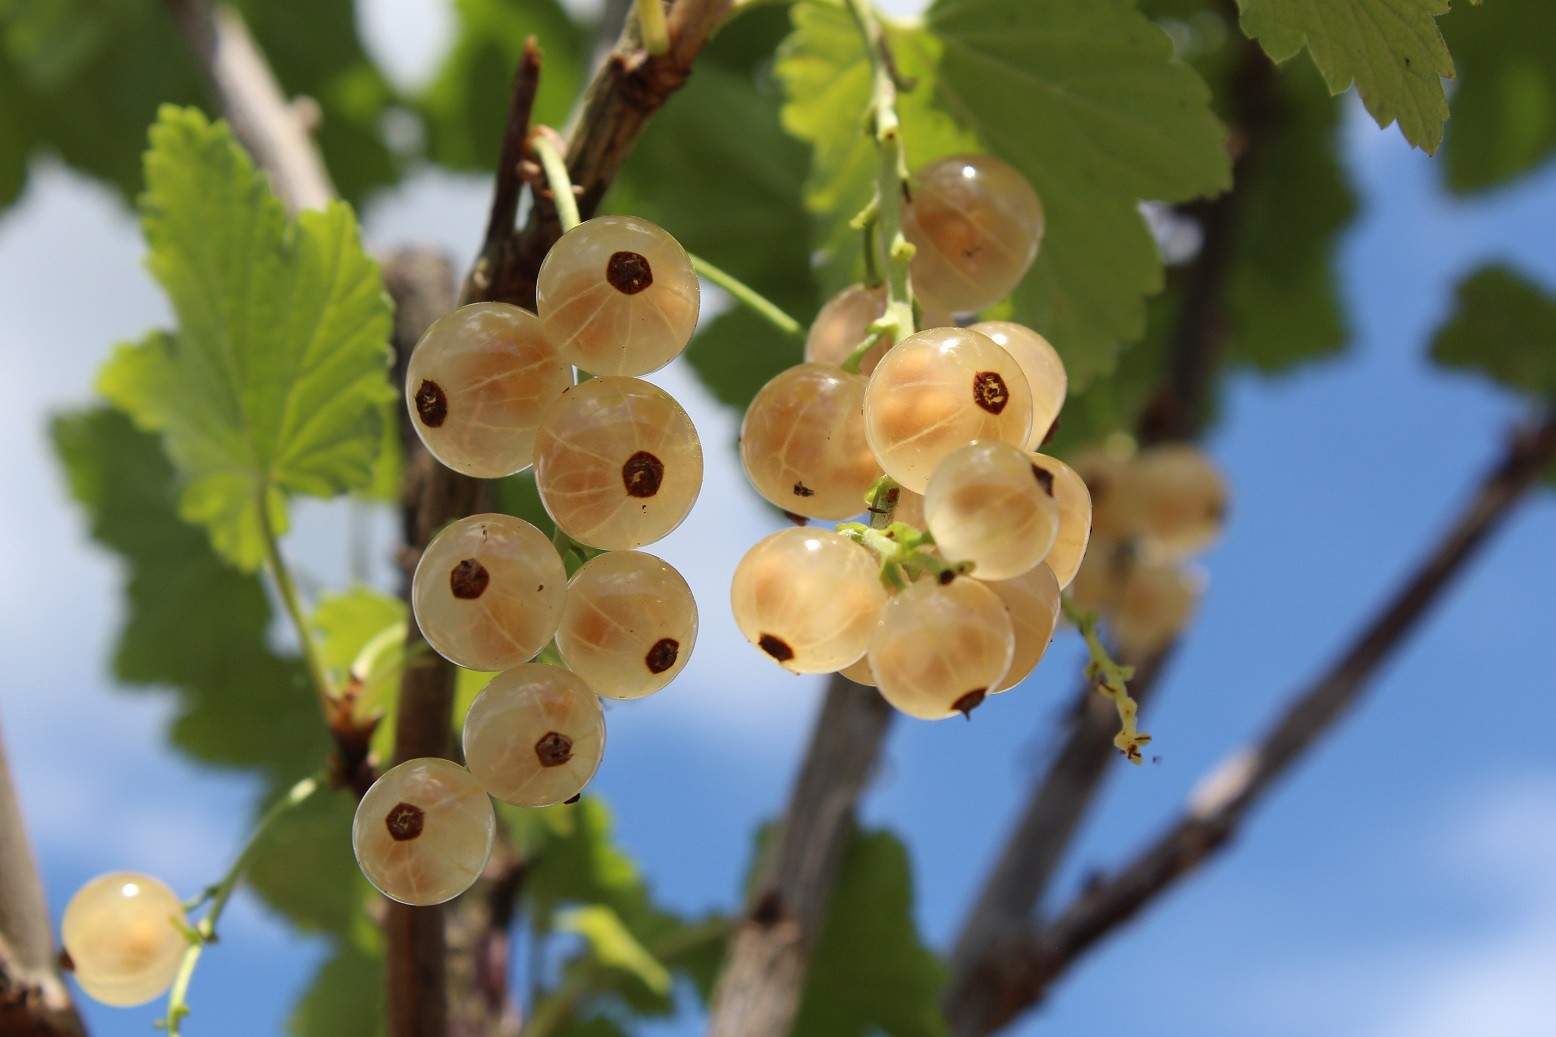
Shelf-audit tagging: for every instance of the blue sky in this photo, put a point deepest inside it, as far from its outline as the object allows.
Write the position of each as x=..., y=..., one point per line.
x=1402, y=885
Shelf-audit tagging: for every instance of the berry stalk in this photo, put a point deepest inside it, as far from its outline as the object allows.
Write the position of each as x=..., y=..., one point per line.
x=1110, y=679
x=286, y=588
x=652, y=26
x=555, y=167
x=205, y=931
x=749, y=297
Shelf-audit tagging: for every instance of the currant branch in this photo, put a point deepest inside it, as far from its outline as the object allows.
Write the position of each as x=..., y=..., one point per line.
x=204, y=932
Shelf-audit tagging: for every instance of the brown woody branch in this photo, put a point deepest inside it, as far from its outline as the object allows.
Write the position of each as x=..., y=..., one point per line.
x=764, y=972
x=1066, y=790
x=1226, y=796
x=33, y=999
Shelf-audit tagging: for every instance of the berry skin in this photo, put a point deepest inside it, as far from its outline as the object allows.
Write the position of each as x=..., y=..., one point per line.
x=535, y=735
x=803, y=444
x=976, y=224
x=1180, y=499
x=1040, y=362
x=1032, y=599
x=845, y=320
x=628, y=625
x=1070, y=493
x=119, y=930
x=618, y=296
x=477, y=385
x=939, y=649
x=488, y=592
x=989, y=505
x=423, y=832
x=808, y=598
x=617, y=463
x=939, y=390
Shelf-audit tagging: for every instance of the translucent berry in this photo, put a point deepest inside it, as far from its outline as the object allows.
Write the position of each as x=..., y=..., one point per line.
x=845, y=320
x=939, y=390
x=1110, y=480
x=488, y=592
x=1040, y=362
x=803, y=443
x=122, y=933
x=976, y=224
x=939, y=649
x=618, y=296
x=1032, y=599
x=1180, y=499
x=629, y=624
x=1101, y=573
x=1153, y=604
x=988, y=504
x=859, y=671
x=477, y=385
x=808, y=598
x=617, y=463
x=1064, y=558
x=910, y=509
x=423, y=832
x=534, y=736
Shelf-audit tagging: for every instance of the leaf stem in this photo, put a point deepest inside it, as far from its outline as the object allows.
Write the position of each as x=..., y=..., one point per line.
x=892, y=176
x=204, y=932
x=286, y=588
x=750, y=298
x=652, y=26
x=546, y=148
x=1110, y=679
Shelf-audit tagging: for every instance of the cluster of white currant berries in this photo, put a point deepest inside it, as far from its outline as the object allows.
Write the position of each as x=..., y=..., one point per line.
x=958, y=598
x=1154, y=511
x=618, y=466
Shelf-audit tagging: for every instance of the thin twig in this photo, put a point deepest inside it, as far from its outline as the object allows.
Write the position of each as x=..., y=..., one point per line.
x=34, y=1001
x=1233, y=788
x=204, y=933
x=508, y=183
x=252, y=102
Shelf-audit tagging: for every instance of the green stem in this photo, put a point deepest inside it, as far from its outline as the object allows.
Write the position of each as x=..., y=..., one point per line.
x=545, y=145
x=892, y=175
x=557, y=1008
x=858, y=353
x=205, y=932
x=652, y=26
x=750, y=298
x=313, y=659
x=1111, y=679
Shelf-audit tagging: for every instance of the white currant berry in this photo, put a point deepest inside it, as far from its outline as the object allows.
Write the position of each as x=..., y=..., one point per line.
x=488, y=592
x=618, y=296
x=122, y=934
x=939, y=390
x=939, y=649
x=1070, y=493
x=988, y=504
x=1111, y=483
x=1180, y=499
x=803, y=444
x=976, y=225
x=1032, y=599
x=1041, y=364
x=423, y=832
x=477, y=385
x=617, y=463
x=1153, y=604
x=534, y=735
x=808, y=598
x=628, y=625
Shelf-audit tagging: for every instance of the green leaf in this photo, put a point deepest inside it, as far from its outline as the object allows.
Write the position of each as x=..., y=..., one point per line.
x=347, y=621
x=1391, y=49
x=466, y=105
x=275, y=381
x=1082, y=96
x=716, y=169
x=1504, y=110
x=871, y=972
x=613, y=946
x=1503, y=327
x=191, y=623
x=345, y=998
x=576, y=861
x=1283, y=297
